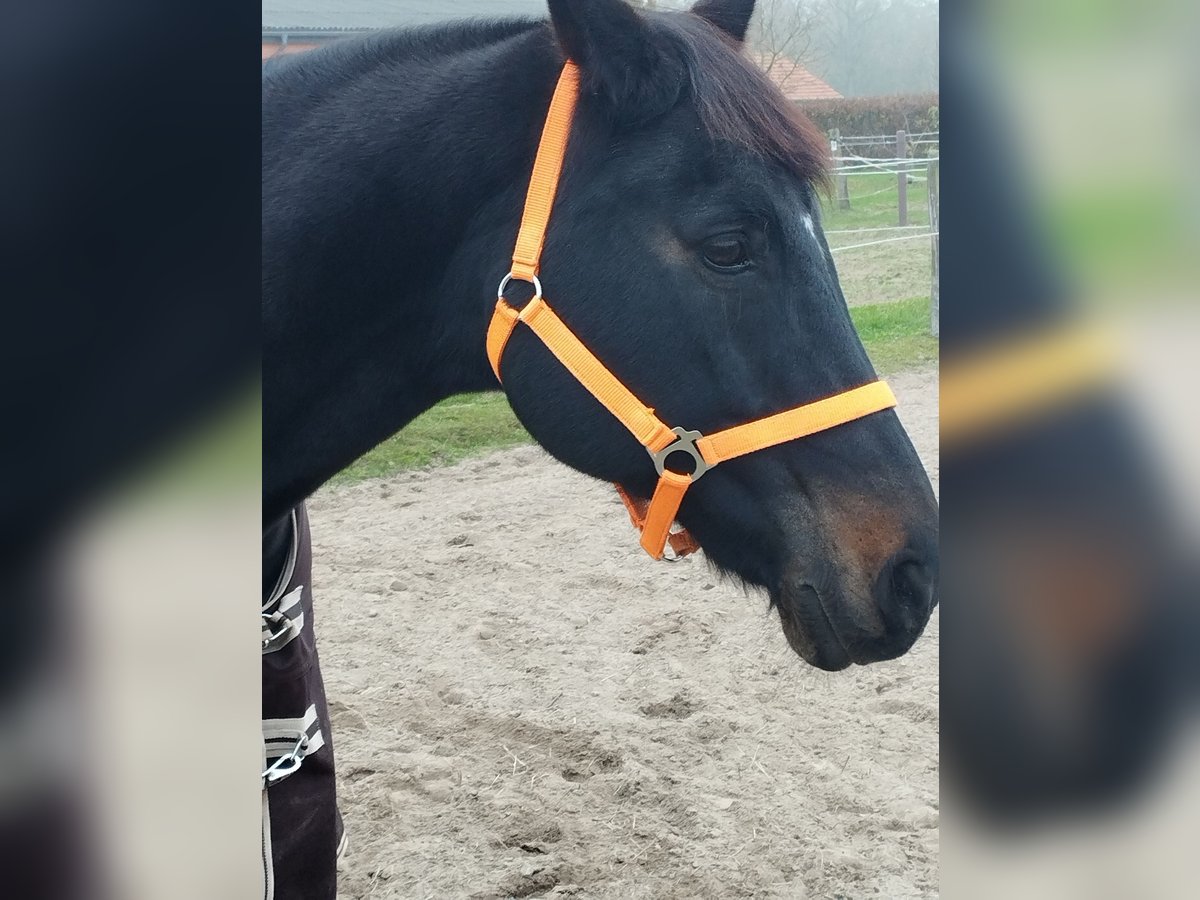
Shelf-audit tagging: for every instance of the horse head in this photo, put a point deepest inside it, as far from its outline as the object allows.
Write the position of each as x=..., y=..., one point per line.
x=686, y=251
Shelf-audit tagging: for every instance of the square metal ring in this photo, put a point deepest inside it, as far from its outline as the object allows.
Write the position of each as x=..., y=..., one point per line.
x=685, y=442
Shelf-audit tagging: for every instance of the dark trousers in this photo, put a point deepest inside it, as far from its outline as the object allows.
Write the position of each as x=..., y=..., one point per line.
x=301, y=825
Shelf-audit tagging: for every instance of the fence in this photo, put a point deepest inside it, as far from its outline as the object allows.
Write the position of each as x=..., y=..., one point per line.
x=902, y=164
x=907, y=158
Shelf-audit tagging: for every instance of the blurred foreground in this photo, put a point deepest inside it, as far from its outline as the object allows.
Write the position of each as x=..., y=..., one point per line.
x=1070, y=348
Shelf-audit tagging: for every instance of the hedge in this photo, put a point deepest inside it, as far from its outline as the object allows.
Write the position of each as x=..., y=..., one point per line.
x=861, y=116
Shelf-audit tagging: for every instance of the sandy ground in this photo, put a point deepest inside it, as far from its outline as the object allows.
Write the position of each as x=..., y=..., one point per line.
x=526, y=705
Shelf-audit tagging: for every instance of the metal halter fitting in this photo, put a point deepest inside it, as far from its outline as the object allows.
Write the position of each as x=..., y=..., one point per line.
x=685, y=443
x=510, y=278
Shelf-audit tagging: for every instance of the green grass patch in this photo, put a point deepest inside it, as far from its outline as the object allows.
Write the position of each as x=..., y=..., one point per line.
x=874, y=203
x=455, y=429
x=896, y=336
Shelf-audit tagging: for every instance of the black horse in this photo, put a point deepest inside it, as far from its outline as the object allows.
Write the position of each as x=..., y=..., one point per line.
x=685, y=250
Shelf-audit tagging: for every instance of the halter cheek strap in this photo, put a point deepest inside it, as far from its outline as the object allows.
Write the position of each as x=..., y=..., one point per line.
x=654, y=518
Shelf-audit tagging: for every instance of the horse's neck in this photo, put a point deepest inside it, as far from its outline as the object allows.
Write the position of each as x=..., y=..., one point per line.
x=387, y=212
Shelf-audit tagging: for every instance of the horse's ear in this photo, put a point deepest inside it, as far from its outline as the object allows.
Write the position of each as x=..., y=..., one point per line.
x=730, y=16
x=616, y=50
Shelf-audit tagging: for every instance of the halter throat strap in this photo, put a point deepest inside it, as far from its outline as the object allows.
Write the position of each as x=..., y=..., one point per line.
x=654, y=518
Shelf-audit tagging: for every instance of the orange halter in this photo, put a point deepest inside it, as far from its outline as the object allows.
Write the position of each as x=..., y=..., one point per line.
x=655, y=518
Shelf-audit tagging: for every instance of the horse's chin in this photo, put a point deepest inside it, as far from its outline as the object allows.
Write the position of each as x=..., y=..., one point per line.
x=808, y=629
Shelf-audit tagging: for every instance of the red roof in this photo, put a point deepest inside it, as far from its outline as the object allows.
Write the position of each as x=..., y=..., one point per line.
x=796, y=82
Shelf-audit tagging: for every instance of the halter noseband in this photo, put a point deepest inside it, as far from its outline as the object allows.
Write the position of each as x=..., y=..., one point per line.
x=655, y=518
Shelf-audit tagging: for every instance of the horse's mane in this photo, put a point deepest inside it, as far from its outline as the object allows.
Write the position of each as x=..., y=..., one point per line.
x=417, y=43
x=736, y=101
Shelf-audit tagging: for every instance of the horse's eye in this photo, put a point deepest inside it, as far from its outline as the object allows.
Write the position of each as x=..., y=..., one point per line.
x=727, y=252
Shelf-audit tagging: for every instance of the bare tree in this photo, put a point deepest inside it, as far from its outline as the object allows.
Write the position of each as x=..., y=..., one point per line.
x=782, y=34
x=860, y=47
x=851, y=39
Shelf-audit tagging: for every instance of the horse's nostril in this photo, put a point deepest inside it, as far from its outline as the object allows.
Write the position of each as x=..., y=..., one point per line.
x=905, y=592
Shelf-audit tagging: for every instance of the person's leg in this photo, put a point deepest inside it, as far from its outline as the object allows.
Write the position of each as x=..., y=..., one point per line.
x=301, y=825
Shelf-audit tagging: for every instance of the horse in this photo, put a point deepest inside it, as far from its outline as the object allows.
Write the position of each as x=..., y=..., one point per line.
x=685, y=250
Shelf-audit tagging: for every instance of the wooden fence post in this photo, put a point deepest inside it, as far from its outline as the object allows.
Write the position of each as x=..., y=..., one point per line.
x=934, y=230
x=902, y=178
x=843, y=183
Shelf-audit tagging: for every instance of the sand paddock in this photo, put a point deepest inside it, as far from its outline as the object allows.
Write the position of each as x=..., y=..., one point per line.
x=526, y=705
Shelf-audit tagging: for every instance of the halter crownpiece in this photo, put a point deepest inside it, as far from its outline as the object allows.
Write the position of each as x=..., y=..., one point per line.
x=653, y=518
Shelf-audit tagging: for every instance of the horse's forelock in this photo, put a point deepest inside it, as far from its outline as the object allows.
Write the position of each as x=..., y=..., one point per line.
x=738, y=103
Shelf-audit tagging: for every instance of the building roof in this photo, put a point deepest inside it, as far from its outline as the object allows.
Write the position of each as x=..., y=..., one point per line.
x=334, y=16
x=796, y=82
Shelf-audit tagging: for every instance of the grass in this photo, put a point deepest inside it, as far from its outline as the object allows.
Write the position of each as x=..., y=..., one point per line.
x=462, y=426
x=875, y=203
x=882, y=272
x=896, y=336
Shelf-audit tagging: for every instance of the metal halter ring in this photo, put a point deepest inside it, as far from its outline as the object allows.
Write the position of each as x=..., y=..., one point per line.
x=510, y=277
x=685, y=442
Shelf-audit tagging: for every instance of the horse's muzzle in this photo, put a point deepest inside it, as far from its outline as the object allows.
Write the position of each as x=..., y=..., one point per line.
x=831, y=625
x=905, y=593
